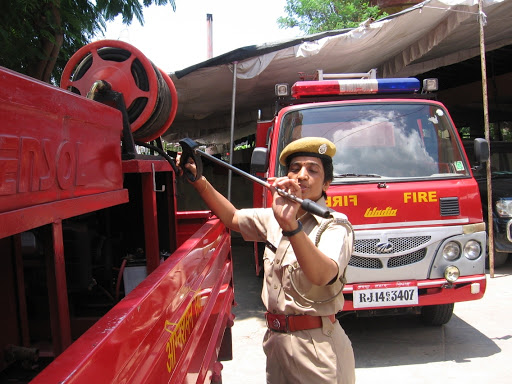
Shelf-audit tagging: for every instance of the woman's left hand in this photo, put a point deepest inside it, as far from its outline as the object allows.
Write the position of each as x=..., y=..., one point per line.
x=285, y=210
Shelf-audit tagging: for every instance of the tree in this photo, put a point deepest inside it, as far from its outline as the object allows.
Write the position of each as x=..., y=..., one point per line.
x=39, y=36
x=313, y=16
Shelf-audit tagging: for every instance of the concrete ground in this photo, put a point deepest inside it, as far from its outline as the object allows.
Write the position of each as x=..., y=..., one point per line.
x=474, y=347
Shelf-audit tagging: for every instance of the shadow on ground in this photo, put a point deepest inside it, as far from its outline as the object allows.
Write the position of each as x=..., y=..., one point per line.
x=404, y=340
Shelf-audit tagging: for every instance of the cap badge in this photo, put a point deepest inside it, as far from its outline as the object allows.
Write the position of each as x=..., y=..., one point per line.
x=322, y=149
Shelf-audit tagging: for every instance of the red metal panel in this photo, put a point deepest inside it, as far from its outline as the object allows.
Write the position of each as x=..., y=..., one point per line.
x=415, y=203
x=165, y=327
x=150, y=222
x=53, y=146
x=21, y=298
x=145, y=166
x=57, y=291
x=24, y=219
x=189, y=222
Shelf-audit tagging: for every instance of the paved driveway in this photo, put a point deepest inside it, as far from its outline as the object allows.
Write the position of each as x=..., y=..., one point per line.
x=474, y=347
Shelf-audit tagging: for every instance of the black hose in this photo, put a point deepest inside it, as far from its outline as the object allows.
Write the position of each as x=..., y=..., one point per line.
x=161, y=152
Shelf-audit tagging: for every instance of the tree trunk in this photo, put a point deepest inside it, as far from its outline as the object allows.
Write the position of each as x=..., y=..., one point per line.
x=43, y=68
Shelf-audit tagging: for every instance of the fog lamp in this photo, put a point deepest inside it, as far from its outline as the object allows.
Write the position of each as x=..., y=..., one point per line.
x=451, y=273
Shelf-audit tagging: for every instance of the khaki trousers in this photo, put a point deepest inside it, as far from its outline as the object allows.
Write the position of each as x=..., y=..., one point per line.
x=322, y=355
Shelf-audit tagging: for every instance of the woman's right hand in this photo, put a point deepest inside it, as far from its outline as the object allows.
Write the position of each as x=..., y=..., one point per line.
x=189, y=166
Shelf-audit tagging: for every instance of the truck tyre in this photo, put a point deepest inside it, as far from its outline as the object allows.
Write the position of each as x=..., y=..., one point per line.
x=437, y=314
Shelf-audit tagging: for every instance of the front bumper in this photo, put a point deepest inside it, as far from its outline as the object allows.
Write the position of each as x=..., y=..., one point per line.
x=434, y=292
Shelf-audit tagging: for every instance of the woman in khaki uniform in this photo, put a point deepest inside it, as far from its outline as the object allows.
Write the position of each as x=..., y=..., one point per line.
x=304, y=262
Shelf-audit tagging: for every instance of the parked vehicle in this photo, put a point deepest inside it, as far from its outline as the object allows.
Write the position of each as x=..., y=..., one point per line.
x=402, y=178
x=501, y=187
x=103, y=279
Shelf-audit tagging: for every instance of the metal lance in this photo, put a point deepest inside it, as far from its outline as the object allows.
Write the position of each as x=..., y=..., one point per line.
x=191, y=149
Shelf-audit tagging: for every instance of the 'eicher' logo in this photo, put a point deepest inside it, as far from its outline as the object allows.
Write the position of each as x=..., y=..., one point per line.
x=374, y=212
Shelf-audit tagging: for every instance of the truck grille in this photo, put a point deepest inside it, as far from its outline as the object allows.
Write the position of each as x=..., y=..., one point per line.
x=393, y=262
x=400, y=244
x=363, y=247
x=365, y=262
x=411, y=258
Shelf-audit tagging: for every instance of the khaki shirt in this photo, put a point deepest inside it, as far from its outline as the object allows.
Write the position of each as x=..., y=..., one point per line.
x=285, y=289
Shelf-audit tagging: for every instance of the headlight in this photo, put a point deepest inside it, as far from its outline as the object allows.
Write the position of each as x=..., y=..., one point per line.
x=451, y=273
x=472, y=250
x=504, y=207
x=451, y=251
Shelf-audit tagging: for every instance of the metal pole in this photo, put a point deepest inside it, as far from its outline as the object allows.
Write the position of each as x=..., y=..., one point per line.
x=482, y=22
x=233, y=98
x=209, y=27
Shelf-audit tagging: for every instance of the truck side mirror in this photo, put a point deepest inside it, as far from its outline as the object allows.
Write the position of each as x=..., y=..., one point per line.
x=481, y=150
x=259, y=160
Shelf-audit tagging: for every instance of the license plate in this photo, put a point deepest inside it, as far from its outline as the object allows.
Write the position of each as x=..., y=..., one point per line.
x=385, y=294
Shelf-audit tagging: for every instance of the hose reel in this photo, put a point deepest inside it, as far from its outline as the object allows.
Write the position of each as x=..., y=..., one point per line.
x=149, y=93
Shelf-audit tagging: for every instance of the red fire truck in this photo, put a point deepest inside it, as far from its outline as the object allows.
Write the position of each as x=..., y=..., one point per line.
x=103, y=279
x=403, y=179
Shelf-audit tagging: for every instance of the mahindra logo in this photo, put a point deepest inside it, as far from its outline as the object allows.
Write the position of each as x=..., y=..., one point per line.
x=384, y=247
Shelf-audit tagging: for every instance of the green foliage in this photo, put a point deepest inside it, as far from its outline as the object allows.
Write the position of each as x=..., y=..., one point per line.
x=38, y=37
x=498, y=131
x=313, y=16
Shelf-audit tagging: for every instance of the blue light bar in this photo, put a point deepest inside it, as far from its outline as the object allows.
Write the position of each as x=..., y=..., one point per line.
x=399, y=85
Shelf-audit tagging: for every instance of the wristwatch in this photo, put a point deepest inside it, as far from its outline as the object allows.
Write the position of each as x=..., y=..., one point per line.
x=295, y=231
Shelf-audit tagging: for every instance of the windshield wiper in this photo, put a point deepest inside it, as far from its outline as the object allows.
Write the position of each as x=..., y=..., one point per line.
x=343, y=175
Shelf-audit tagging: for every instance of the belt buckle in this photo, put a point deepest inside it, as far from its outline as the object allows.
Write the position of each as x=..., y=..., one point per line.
x=276, y=326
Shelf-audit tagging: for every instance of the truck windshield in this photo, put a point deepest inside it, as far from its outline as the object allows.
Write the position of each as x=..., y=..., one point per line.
x=381, y=139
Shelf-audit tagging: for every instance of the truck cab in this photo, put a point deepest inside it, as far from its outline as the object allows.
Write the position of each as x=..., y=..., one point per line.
x=403, y=179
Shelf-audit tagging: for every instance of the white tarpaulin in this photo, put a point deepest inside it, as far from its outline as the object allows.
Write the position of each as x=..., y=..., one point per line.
x=429, y=35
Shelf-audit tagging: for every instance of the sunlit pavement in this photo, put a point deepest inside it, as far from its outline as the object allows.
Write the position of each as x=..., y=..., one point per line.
x=474, y=347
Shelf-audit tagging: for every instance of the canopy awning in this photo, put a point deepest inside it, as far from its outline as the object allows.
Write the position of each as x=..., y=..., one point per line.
x=430, y=35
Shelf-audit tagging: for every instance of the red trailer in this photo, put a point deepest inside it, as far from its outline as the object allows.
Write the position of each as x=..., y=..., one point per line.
x=103, y=279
